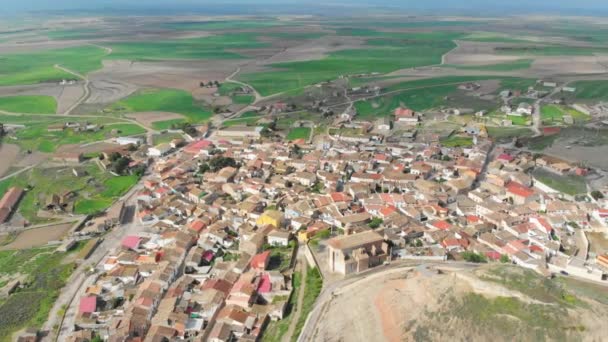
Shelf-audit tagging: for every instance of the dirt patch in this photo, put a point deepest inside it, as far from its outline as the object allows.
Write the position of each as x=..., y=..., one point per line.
x=86, y=149
x=30, y=159
x=105, y=91
x=8, y=154
x=69, y=96
x=598, y=242
x=148, y=118
x=38, y=236
x=316, y=49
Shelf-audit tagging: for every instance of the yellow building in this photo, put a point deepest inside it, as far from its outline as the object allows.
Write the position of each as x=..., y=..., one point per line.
x=270, y=217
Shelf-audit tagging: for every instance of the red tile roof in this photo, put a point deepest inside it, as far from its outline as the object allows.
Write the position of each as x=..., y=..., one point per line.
x=131, y=242
x=404, y=112
x=87, y=304
x=259, y=261
x=519, y=190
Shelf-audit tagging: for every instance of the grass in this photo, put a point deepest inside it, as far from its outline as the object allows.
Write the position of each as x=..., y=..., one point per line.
x=313, y=286
x=551, y=113
x=381, y=54
x=165, y=138
x=46, y=274
x=71, y=34
x=233, y=91
x=94, y=192
x=299, y=133
x=569, y=184
x=164, y=100
x=521, y=84
x=213, y=47
x=36, y=136
x=276, y=330
x=519, y=64
x=457, y=141
x=519, y=120
x=29, y=104
x=550, y=50
x=500, y=133
x=591, y=90
x=37, y=67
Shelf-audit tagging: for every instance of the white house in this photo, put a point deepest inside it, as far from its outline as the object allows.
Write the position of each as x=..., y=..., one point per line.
x=278, y=238
x=159, y=150
x=128, y=141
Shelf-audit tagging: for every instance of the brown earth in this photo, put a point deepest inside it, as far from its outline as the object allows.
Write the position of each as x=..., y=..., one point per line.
x=38, y=237
x=8, y=155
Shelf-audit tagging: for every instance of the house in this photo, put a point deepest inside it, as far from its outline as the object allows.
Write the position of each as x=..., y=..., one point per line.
x=524, y=109
x=270, y=217
x=240, y=131
x=259, y=262
x=9, y=202
x=129, y=141
x=131, y=242
x=159, y=150
x=520, y=194
x=278, y=238
x=357, y=252
x=87, y=305
x=406, y=116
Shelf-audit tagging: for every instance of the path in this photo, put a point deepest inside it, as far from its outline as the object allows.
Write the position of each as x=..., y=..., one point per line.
x=298, y=309
x=84, y=96
x=231, y=79
x=18, y=172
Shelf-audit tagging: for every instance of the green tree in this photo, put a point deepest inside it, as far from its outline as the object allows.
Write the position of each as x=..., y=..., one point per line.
x=375, y=222
x=504, y=258
x=597, y=195
x=474, y=257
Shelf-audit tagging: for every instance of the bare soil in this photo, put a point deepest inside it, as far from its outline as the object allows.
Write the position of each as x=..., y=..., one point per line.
x=38, y=236
x=8, y=155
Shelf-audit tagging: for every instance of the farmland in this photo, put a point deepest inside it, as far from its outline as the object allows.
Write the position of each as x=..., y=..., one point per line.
x=93, y=192
x=36, y=137
x=591, y=90
x=214, y=47
x=571, y=185
x=45, y=272
x=29, y=104
x=37, y=67
x=378, y=55
x=298, y=133
x=164, y=100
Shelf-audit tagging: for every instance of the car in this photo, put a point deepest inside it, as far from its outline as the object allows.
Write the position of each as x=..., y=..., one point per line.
x=564, y=273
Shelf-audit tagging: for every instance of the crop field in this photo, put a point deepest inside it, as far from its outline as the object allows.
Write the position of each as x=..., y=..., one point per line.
x=457, y=141
x=164, y=100
x=571, y=184
x=37, y=67
x=248, y=119
x=417, y=99
x=494, y=37
x=94, y=192
x=379, y=55
x=36, y=137
x=214, y=47
x=591, y=90
x=233, y=91
x=45, y=272
x=29, y=104
x=501, y=133
x=70, y=34
x=298, y=133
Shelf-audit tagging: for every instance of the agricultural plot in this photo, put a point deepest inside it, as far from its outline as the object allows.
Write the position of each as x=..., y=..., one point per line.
x=214, y=47
x=570, y=184
x=380, y=55
x=29, y=104
x=221, y=25
x=551, y=50
x=591, y=90
x=36, y=137
x=247, y=119
x=457, y=141
x=44, y=272
x=233, y=91
x=503, y=133
x=38, y=67
x=93, y=192
x=164, y=100
x=298, y=133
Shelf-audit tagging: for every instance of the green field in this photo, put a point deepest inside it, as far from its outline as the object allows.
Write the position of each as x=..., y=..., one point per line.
x=494, y=37
x=381, y=54
x=508, y=132
x=164, y=100
x=555, y=114
x=457, y=141
x=570, y=184
x=36, y=136
x=232, y=90
x=298, y=133
x=248, y=119
x=71, y=34
x=29, y=104
x=213, y=47
x=37, y=67
x=591, y=90
x=519, y=120
x=46, y=272
x=94, y=192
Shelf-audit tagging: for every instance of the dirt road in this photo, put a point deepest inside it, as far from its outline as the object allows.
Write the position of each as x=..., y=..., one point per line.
x=303, y=267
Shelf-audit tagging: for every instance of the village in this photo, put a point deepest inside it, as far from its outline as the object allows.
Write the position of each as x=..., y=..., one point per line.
x=227, y=218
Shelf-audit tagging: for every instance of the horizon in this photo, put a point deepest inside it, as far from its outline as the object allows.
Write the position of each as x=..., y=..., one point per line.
x=436, y=7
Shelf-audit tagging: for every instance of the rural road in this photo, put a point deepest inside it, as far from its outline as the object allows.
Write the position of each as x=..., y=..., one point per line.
x=84, y=96
x=80, y=279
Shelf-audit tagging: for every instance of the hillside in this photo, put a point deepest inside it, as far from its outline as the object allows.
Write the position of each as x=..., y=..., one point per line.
x=498, y=303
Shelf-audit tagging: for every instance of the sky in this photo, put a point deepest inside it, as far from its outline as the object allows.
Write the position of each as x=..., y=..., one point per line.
x=232, y=6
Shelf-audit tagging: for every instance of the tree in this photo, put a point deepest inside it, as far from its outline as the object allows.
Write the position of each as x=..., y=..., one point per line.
x=120, y=165
x=474, y=257
x=504, y=258
x=375, y=222
x=597, y=195
x=419, y=243
x=220, y=162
